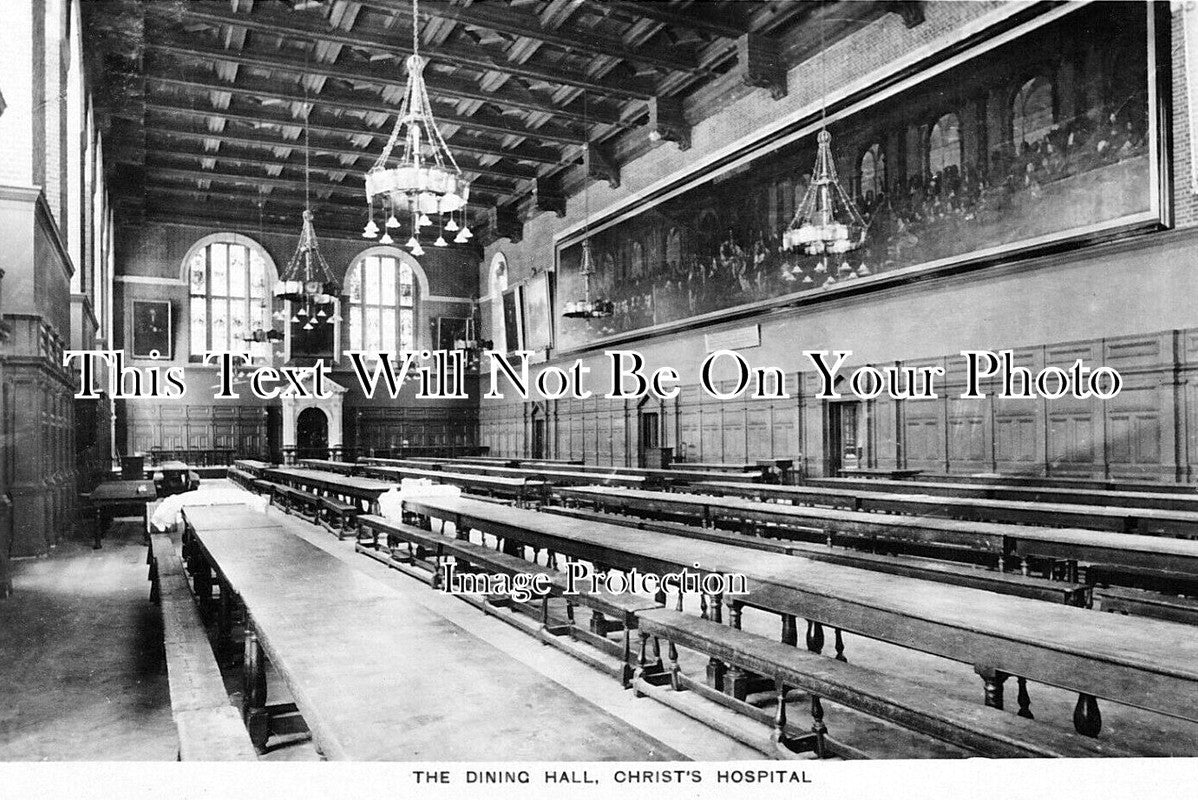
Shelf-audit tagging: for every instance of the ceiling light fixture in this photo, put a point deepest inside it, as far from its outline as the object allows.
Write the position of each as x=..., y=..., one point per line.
x=426, y=180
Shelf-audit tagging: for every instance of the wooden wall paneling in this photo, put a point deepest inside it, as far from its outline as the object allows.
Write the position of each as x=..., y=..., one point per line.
x=1140, y=423
x=1075, y=427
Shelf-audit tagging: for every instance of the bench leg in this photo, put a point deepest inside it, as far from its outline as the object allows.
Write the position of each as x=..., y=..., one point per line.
x=253, y=693
x=715, y=668
x=1087, y=719
x=993, y=681
x=1024, y=700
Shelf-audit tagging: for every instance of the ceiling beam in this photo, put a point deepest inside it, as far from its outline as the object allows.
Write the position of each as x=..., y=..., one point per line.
x=385, y=41
x=505, y=19
x=137, y=156
x=438, y=86
x=539, y=156
x=689, y=17
x=497, y=127
x=329, y=209
x=482, y=186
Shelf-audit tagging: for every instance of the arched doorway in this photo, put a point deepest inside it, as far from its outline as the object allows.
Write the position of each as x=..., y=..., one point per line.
x=312, y=433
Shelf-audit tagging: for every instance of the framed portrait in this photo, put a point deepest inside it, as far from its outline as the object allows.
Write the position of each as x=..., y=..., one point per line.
x=538, y=316
x=152, y=329
x=513, y=319
x=452, y=332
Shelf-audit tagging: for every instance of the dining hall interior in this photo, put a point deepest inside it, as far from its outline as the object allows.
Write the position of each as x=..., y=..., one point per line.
x=219, y=543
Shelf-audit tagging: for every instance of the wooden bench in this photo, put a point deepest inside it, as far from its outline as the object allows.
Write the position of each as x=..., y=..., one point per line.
x=209, y=727
x=980, y=729
x=609, y=612
x=1069, y=593
x=1141, y=603
x=338, y=516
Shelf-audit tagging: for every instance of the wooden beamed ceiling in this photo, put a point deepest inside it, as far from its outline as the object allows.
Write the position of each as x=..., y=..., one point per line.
x=202, y=102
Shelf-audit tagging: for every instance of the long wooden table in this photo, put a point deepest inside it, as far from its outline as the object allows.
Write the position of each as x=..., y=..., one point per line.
x=1007, y=542
x=520, y=489
x=649, y=476
x=1170, y=501
x=108, y=498
x=1144, y=663
x=558, y=477
x=379, y=677
x=1102, y=518
x=365, y=491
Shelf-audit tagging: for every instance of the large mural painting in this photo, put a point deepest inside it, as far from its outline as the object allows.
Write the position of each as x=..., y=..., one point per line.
x=1041, y=138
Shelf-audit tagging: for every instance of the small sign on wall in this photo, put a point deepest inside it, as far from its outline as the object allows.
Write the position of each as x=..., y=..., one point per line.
x=734, y=338
x=152, y=329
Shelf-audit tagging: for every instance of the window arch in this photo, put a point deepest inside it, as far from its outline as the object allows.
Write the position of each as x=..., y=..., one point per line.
x=229, y=278
x=385, y=286
x=944, y=144
x=1031, y=112
x=872, y=170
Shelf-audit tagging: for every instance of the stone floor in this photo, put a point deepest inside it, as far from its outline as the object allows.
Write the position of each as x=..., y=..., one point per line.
x=81, y=665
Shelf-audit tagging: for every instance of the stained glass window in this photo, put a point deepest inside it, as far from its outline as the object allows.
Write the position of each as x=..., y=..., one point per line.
x=230, y=296
x=382, y=305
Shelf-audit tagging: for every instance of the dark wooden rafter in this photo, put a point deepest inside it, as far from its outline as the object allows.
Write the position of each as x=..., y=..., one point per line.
x=300, y=67
x=600, y=167
x=531, y=89
x=539, y=156
x=518, y=23
x=692, y=17
x=548, y=196
x=667, y=123
x=911, y=11
x=760, y=64
x=385, y=41
x=480, y=188
x=481, y=124
x=501, y=223
x=138, y=156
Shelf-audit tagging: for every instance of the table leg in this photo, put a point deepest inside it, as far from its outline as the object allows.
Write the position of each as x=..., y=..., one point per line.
x=99, y=529
x=253, y=696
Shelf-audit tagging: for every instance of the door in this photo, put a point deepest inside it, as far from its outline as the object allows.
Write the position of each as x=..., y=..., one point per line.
x=274, y=435
x=648, y=436
x=846, y=445
x=538, y=438
x=312, y=434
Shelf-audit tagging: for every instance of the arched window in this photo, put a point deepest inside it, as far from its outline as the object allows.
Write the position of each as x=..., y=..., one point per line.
x=1031, y=112
x=873, y=170
x=382, y=303
x=229, y=279
x=944, y=144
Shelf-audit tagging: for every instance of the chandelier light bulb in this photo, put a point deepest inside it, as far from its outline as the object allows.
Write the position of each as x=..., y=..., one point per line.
x=386, y=238
x=452, y=225
x=308, y=326
x=321, y=313
x=441, y=242
x=417, y=250
x=466, y=234
x=460, y=238
x=371, y=230
x=303, y=312
x=411, y=243
x=424, y=221
x=295, y=318
x=392, y=222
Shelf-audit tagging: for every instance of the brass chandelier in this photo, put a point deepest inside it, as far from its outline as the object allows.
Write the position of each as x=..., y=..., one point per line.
x=426, y=181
